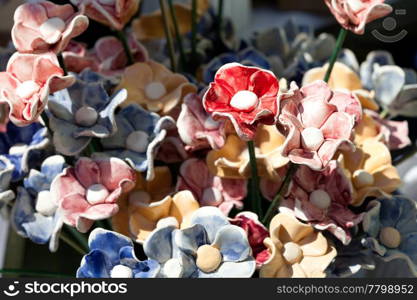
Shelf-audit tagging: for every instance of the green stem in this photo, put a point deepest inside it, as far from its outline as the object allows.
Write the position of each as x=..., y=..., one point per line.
x=384, y=114
x=168, y=35
x=272, y=210
x=79, y=237
x=336, y=51
x=220, y=19
x=71, y=243
x=62, y=64
x=33, y=273
x=194, y=9
x=123, y=39
x=177, y=35
x=406, y=156
x=255, y=197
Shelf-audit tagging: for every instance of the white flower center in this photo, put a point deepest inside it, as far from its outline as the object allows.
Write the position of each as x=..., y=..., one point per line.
x=320, y=199
x=168, y=221
x=211, y=197
x=27, y=89
x=86, y=116
x=172, y=268
x=137, y=141
x=155, y=90
x=208, y=259
x=312, y=138
x=45, y=204
x=210, y=124
x=138, y=198
x=121, y=271
x=96, y=194
x=390, y=237
x=244, y=101
x=362, y=178
x=18, y=149
x=51, y=26
x=292, y=253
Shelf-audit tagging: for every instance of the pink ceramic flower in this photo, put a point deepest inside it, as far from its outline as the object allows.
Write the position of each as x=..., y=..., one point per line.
x=318, y=122
x=114, y=13
x=27, y=82
x=90, y=190
x=44, y=26
x=211, y=190
x=77, y=58
x=353, y=15
x=247, y=96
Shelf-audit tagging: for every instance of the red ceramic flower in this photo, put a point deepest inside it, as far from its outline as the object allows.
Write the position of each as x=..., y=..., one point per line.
x=318, y=122
x=27, y=82
x=90, y=190
x=44, y=26
x=211, y=190
x=247, y=96
x=353, y=15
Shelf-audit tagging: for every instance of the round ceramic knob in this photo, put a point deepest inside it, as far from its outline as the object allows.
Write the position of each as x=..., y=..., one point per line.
x=172, y=268
x=155, y=90
x=211, y=197
x=138, y=198
x=168, y=221
x=45, y=204
x=361, y=179
x=244, y=101
x=292, y=253
x=210, y=124
x=51, y=26
x=86, y=116
x=390, y=237
x=18, y=149
x=312, y=138
x=320, y=199
x=209, y=258
x=137, y=141
x=121, y=271
x=27, y=89
x=96, y=194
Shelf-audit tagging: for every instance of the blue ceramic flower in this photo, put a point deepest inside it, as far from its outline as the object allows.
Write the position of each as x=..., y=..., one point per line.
x=34, y=214
x=392, y=228
x=82, y=112
x=6, y=171
x=210, y=248
x=24, y=147
x=112, y=256
x=138, y=138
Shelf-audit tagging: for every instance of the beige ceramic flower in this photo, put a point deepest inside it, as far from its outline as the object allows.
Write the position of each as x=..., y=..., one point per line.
x=232, y=161
x=154, y=87
x=297, y=250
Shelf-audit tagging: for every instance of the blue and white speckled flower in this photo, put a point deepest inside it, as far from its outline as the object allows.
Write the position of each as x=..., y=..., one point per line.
x=6, y=171
x=112, y=256
x=209, y=248
x=82, y=112
x=139, y=135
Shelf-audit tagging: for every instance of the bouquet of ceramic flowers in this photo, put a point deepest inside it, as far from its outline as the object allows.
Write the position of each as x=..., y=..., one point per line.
x=180, y=150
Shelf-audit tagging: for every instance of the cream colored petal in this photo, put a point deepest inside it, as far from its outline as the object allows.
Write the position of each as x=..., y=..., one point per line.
x=353, y=160
x=376, y=155
x=275, y=266
x=314, y=244
x=291, y=230
x=366, y=129
x=149, y=27
x=367, y=99
x=137, y=76
x=140, y=227
x=387, y=179
x=183, y=205
x=160, y=73
x=161, y=185
x=154, y=211
x=297, y=271
x=314, y=266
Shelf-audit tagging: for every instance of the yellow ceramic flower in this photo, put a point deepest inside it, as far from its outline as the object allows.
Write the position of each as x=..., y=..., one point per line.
x=345, y=79
x=370, y=170
x=296, y=249
x=232, y=161
x=367, y=128
x=154, y=87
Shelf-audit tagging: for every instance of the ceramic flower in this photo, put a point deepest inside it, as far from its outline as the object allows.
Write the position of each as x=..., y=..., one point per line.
x=374, y=59
x=89, y=191
x=44, y=26
x=153, y=86
x=232, y=160
x=77, y=58
x=34, y=213
x=138, y=137
x=211, y=190
x=247, y=96
x=296, y=249
x=353, y=15
x=370, y=170
x=112, y=255
x=6, y=171
x=82, y=112
x=196, y=127
x=391, y=224
x=114, y=13
x=210, y=248
x=27, y=82
x=319, y=121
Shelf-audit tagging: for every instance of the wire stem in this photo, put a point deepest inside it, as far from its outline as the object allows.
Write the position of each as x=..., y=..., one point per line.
x=177, y=35
x=71, y=243
x=123, y=39
x=256, y=199
x=336, y=51
x=168, y=35
x=79, y=237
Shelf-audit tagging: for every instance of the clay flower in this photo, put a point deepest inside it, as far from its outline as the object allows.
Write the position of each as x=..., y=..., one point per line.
x=232, y=160
x=370, y=170
x=6, y=171
x=196, y=127
x=112, y=255
x=44, y=26
x=114, y=13
x=319, y=121
x=247, y=96
x=210, y=248
x=153, y=86
x=391, y=224
x=353, y=15
x=211, y=190
x=297, y=250
x=82, y=112
x=89, y=191
x=27, y=82
x=77, y=58
x=34, y=213
x=138, y=137
x=374, y=59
